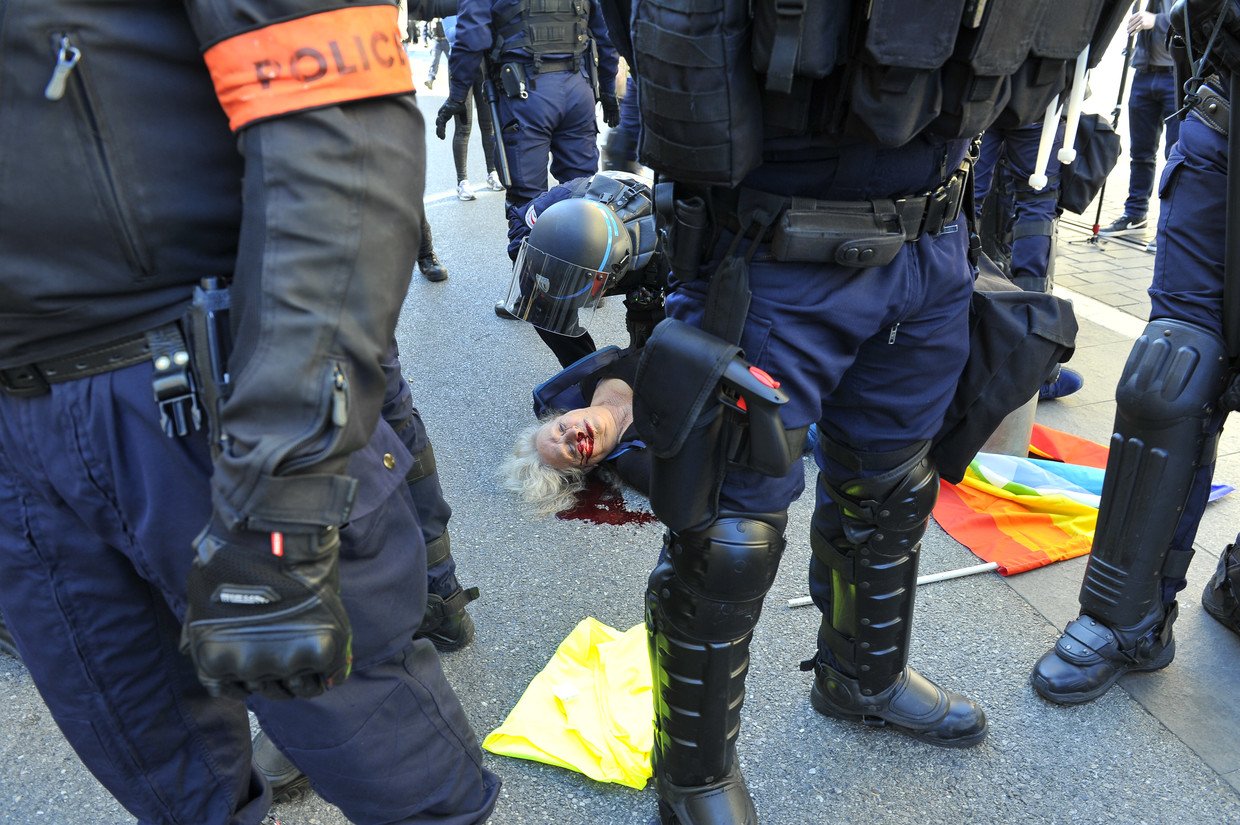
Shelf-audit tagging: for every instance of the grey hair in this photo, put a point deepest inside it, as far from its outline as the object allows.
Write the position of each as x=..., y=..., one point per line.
x=547, y=489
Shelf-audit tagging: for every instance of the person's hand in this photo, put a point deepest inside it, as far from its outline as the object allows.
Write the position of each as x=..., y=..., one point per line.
x=450, y=109
x=611, y=110
x=264, y=613
x=1141, y=21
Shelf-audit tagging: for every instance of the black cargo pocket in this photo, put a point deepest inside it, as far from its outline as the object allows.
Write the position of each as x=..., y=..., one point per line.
x=1168, y=178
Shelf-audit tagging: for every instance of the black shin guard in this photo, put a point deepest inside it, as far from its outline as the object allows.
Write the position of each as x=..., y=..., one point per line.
x=1165, y=400
x=870, y=544
x=868, y=547
x=702, y=604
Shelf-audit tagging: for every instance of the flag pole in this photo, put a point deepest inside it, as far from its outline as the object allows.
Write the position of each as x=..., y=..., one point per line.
x=803, y=601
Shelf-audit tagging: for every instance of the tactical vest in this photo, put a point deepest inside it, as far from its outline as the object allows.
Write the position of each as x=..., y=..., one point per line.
x=545, y=27
x=716, y=79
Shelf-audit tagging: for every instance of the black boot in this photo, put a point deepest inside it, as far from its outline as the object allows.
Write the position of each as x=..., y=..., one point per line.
x=447, y=624
x=432, y=269
x=913, y=705
x=6, y=641
x=287, y=782
x=1090, y=656
x=725, y=801
x=1219, y=598
x=428, y=261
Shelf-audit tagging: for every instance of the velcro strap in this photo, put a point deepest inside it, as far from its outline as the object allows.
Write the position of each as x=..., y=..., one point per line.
x=438, y=608
x=423, y=465
x=1176, y=564
x=1032, y=229
x=309, y=62
x=303, y=499
x=438, y=550
x=836, y=561
x=789, y=24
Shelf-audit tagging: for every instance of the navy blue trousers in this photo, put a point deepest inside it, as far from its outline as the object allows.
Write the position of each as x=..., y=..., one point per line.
x=1014, y=152
x=1188, y=274
x=430, y=506
x=556, y=121
x=1150, y=102
x=98, y=510
x=871, y=355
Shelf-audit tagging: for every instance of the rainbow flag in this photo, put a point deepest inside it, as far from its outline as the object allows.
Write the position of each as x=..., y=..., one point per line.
x=1023, y=513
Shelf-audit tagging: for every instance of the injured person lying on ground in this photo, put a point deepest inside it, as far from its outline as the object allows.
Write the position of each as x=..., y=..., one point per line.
x=585, y=421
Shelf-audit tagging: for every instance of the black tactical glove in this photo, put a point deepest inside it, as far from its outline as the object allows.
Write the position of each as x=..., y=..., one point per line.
x=611, y=110
x=264, y=613
x=450, y=109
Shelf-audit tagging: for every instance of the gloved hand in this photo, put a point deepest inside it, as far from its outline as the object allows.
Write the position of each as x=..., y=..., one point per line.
x=264, y=613
x=450, y=109
x=611, y=110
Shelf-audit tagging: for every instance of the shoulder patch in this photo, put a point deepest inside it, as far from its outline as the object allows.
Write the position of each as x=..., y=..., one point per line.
x=318, y=60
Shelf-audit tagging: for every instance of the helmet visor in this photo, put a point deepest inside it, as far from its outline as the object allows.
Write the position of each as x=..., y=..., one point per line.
x=554, y=294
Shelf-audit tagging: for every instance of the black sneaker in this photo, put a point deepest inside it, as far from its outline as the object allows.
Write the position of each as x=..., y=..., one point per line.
x=1124, y=225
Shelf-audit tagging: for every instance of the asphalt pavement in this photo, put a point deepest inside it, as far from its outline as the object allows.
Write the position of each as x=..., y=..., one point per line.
x=1162, y=748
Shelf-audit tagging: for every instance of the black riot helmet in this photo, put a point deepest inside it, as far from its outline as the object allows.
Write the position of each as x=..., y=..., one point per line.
x=576, y=251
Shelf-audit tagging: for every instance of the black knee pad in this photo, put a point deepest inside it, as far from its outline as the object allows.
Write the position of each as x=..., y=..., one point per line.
x=1165, y=400
x=711, y=582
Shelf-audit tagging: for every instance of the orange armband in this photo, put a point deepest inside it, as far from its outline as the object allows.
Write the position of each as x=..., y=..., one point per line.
x=319, y=60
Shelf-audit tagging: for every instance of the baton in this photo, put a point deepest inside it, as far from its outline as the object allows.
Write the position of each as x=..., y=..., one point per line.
x=1067, y=154
x=489, y=92
x=1050, y=125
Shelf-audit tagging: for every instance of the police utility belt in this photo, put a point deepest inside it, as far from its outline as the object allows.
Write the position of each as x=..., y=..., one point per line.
x=515, y=76
x=850, y=233
x=164, y=346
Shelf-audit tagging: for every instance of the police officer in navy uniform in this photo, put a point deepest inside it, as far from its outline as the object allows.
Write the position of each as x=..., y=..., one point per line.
x=201, y=506
x=542, y=59
x=815, y=228
x=1173, y=397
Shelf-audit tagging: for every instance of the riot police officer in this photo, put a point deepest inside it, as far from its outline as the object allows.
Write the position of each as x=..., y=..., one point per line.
x=551, y=62
x=1172, y=399
x=814, y=223
x=178, y=472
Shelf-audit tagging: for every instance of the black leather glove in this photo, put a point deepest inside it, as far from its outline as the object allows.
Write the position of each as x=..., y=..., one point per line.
x=450, y=109
x=264, y=613
x=611, y=110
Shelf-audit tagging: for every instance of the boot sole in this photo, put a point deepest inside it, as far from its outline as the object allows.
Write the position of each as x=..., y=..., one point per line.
x=820, y=704
x=1043, y=689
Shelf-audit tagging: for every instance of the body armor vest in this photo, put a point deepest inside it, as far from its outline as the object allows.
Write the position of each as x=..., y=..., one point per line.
x=717, y=79
x=546, y=27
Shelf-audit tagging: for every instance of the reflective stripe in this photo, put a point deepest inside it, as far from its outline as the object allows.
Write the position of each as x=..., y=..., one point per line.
x=310, y=62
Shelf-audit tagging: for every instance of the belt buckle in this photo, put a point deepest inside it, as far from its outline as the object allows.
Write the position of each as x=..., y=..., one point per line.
x=24, y=382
